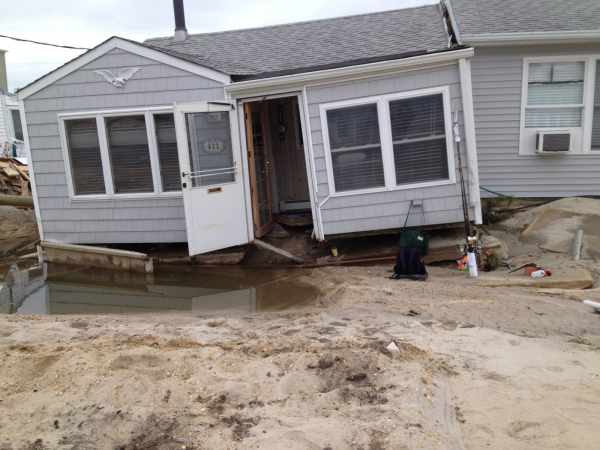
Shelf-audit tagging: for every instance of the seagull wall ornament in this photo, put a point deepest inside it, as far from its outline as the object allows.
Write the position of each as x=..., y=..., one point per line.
x=124, y=75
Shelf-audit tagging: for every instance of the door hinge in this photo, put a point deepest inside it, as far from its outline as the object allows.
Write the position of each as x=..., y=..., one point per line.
x=249, y=154
x=246, y=116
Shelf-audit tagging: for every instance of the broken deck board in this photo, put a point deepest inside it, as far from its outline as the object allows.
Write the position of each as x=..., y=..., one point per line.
x=107, y=258
x=279, y=251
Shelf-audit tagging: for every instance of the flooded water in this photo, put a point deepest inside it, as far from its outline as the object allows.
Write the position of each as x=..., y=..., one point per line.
x=67, y=290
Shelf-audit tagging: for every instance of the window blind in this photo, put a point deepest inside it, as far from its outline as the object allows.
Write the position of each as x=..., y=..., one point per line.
x=419, y=139
x=555, y=84
x=84, y=154
x=164, y=125
x=129, y=154
x=355, y=145
x=596, y=120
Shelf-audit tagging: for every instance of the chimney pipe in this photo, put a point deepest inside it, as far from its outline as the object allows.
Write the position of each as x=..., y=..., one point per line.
x=181, y=33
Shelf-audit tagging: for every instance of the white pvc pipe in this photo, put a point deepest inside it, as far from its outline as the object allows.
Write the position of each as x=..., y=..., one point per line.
x=595, y=305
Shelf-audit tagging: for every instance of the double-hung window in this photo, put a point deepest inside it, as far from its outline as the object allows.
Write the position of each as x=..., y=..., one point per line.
x=120, y=155
x=388, y=142
x=561, y=97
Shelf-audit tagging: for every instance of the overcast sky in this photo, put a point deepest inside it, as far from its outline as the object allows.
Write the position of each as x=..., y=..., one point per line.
x=86, y=23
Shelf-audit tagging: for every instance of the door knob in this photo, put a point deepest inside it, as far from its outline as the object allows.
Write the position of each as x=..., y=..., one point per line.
x=270, y=171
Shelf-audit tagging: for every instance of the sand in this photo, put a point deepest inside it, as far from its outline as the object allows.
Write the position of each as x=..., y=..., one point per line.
x=479, y=368
x=16, y=222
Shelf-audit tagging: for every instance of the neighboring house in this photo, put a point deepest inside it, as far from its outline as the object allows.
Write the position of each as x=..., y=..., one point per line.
x=11, y=132
x=204, y=137
x=536, y=80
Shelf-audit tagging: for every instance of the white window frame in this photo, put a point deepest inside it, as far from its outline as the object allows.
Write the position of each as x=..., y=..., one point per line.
x=387, y=146
x=581, y=137
x=148, y=114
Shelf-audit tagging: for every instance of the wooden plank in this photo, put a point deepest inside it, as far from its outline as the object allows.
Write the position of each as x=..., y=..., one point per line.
x=279, y=251
x=10, y=172
x=577, y=245
x=18, y=169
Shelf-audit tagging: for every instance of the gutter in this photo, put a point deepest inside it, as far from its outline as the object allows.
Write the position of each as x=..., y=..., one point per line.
x=546, y=37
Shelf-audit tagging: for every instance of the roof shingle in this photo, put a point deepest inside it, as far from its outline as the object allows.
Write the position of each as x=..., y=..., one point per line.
x=315, y=43
x=525, y=16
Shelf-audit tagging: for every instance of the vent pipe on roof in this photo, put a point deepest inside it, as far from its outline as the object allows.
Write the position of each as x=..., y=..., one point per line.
x=181, y=33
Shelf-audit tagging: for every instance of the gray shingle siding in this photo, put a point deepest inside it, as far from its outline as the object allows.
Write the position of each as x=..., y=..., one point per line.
x=525, y=16
x=314, y=43
x=386, y=210
x=497, y=76
x=115, y=221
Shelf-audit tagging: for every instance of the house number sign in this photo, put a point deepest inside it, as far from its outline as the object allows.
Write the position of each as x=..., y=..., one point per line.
x=214, y=146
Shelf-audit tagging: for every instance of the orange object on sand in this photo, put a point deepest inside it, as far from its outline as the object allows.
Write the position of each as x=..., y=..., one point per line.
x=529, y=270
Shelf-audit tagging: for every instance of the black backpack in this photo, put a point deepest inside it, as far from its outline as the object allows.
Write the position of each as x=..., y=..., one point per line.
x=409, y=265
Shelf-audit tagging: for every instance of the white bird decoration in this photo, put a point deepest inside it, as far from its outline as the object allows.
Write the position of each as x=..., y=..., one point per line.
x=124, y=75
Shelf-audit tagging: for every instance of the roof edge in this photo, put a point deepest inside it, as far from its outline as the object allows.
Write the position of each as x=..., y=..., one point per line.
x=286, y=83
x=524, y=38
x=137, y=48
x=457, y=34
x=279, y=25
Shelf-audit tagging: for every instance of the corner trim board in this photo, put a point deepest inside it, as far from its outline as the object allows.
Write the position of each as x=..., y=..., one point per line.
x=464, y=66
x=36, y=202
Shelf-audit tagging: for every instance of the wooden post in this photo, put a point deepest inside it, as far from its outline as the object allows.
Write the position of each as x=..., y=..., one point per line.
x=25, y=187
x=577, y=245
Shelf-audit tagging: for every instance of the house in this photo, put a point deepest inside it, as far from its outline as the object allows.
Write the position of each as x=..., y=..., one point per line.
x=11, y=132
x=202, y=138
x=536, y=93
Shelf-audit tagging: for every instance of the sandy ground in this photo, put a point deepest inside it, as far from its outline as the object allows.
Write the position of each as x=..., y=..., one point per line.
x=15, y=222
x=478, y=368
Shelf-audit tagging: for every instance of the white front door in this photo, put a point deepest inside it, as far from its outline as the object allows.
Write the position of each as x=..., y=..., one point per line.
x=210, y=158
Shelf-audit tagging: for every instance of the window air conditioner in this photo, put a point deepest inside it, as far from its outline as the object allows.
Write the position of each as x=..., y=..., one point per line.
x=553, y=142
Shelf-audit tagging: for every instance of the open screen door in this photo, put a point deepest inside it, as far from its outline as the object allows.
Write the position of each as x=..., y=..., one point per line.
x=256, y=133
x=213, y=186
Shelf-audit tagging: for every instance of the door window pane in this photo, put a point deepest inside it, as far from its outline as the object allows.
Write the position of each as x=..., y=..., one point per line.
x=209, y=144
x=84, y=155
x=596, y=120
x=355, y=145
x=555, y=84
x=168, y=159
x=419, y=139
x=129, y=154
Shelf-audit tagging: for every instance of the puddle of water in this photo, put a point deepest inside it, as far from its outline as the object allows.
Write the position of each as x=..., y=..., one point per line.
x=58, y=290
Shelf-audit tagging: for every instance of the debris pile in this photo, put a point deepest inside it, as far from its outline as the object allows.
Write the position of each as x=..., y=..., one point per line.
x=14, y=177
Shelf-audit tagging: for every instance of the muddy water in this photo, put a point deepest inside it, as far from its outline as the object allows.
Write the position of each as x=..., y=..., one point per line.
x=67, y=290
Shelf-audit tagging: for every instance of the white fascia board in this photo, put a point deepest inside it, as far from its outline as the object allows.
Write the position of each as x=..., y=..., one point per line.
x=298, y=81
x=128, y=46
x=549, y=37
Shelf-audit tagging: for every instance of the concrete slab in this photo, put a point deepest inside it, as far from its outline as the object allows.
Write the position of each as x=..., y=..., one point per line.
x=560, y=279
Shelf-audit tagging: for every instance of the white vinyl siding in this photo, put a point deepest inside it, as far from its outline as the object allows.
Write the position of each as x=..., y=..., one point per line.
x=388, y=142
x=121, y=155
x=355, y=146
